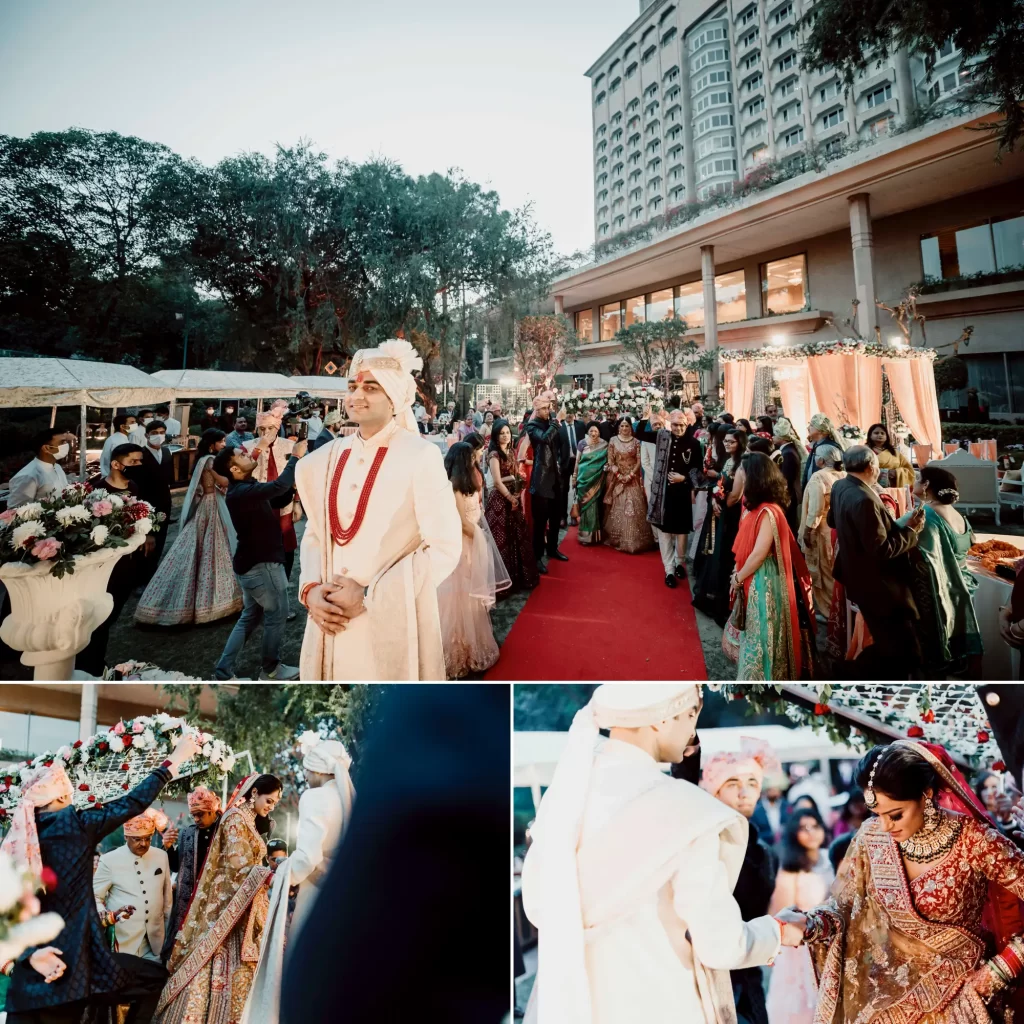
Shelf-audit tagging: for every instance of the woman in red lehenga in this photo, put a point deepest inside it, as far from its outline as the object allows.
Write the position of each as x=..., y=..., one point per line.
x=923, y=924
x=504, y=511
x=218, y=947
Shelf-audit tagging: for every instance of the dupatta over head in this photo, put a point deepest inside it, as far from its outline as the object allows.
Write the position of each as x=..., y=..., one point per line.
x=887, y=964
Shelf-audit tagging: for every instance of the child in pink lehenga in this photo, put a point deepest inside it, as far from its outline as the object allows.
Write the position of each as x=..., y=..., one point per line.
x=465, y=598
x=195, y=581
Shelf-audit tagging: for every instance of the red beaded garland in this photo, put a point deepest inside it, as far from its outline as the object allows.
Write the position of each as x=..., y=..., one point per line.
x=343, y=536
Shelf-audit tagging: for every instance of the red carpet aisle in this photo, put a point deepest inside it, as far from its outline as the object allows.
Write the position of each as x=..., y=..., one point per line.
x=603, y=615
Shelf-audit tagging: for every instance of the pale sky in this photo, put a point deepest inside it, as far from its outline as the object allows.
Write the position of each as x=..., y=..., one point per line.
x=496, y=89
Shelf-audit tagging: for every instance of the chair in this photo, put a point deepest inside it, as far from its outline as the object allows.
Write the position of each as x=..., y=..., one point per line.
x=922, y=454
x=1011, y=489
x=976, y=481
x=948, y=449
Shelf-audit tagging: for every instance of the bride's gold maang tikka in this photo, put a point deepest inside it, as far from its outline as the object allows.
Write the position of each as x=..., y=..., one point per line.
x=869, y=794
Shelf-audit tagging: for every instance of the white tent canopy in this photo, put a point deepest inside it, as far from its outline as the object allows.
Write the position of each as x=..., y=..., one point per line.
x=26, y=382
x=227, y=384
x=321, y=387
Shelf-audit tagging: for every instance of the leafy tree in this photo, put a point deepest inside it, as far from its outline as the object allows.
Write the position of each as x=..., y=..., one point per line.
x=655, y=351
x=542, y=346
x=990, y=35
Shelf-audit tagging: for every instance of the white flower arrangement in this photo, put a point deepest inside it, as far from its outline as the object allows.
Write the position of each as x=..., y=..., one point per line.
x=844, y=347
x=852, y=433
x=630, y=398
x=126, y=742
x=21, y=923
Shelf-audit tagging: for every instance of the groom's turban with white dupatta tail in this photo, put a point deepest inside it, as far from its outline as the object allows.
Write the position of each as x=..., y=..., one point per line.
x=329, y=757
x=628, y=866
x=392, y=364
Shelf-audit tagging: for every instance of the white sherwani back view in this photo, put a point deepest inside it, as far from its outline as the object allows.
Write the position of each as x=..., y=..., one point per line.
x=409, y=540
x=657, y=860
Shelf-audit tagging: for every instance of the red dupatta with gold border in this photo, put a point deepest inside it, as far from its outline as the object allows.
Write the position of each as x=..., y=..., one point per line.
x=887, y=964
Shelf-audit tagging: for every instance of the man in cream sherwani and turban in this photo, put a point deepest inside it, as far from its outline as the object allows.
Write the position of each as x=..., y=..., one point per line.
x=630, y=875
x=382, y=533
x=324, y=810
x=137, y=875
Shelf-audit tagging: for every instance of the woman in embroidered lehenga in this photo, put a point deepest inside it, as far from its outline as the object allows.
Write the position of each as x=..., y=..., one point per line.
x=504, y=512
x=923, y=926
x=771, y=584
x=465, y=598
x=625, y=516
x=195, y=581
x=218, y=947
x=588, y=479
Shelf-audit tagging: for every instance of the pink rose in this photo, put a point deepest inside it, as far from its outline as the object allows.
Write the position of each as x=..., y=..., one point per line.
x=102, y=508
x=118, y=729
x=138, y=727
x=6, y=517
x=46, y=548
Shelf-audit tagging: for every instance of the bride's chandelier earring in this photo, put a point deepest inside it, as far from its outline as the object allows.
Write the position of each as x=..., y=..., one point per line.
x=932, y=817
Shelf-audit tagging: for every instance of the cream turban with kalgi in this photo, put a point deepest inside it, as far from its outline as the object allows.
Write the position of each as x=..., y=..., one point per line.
x=329, y=757
x=392, y=364
x=634, y=705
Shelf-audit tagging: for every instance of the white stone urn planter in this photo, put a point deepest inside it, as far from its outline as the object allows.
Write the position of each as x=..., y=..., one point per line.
x=52, y=619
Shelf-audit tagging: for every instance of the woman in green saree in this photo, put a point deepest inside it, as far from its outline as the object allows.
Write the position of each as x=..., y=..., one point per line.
x=942, y=585
x=588, y=479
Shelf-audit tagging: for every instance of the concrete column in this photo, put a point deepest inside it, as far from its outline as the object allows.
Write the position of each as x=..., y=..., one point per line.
x=689, y=154
x=905, y=83
x=559, y=306
x=595, y=323
x=863, y=264
x=707, y=266
x=752, y=282
x=87, y=716
x=487, y=354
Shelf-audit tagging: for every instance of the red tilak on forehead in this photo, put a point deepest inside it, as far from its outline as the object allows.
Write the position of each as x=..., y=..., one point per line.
x=360, y=377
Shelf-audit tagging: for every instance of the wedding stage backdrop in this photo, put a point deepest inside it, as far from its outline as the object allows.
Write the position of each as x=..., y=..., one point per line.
x=843, y=380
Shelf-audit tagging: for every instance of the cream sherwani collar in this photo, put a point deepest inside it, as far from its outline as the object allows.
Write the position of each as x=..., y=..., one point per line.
x=379, y=440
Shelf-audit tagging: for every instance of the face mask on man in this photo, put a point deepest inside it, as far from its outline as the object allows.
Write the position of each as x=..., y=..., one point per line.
x=62, y=451
x=155, y=440
x=131, y=471
x=129, y=427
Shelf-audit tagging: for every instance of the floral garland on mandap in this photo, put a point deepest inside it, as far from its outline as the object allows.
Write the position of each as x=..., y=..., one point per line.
x=612, y=401
x=130, y=747
x=963, y=729
x=845, y=347
x=79, y=521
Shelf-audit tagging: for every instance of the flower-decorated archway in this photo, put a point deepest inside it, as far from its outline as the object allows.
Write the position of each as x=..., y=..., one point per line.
x=843, y=380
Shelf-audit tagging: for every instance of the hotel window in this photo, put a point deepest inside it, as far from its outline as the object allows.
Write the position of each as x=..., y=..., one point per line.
x=731, y=297
x=791, y=112
x=599, y=80
x=979, y=249
x=752, y=61
x=787, y=62
x=880, y=95
x=784, y=285
x=634, y=104
x=784, y=38
x=949, y=82
x=659, y=305
x=602, y=195
x=654, y=203
x=617, y=152
x=788, y=89
x=585, y=323
x=677, y=193
x=628, y=50
x=633, y=122
x=755, y=83
x=602, y=145
x=614, y=84
x=616, y=135
x=783, y=13
x=761, y=153
x=599, y=98
x=583, y=381
x=675, y=151
x=672, y=74
x=631, y=70
x=668, y=37
x=636, y=212
x=617, y=117
x=749, y=38
x=636, y=193
x=633, y=175
x=947, y=48
x=655, y=183
x=619, y=221
x=794, y=137
x=834, y=147
x=651, y=90
x=652, y=127
x=880, y=127
x=828, y=91
x=672, y=93
x=832, y=119
x=748, y=16
x=755, y=106
x=611, y=315
x=649, y=53
x=603, y=230
x=647, y=33
x=690, y=303
x=666, y=14
x=635, y=310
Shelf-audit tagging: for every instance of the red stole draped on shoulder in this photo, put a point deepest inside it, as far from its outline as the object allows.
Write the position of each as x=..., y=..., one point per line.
x=791, y=564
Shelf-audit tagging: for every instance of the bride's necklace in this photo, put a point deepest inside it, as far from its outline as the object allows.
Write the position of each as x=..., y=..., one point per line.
x=928, y=845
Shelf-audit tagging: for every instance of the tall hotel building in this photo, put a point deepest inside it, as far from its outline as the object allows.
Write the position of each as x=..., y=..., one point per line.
x=692, y=99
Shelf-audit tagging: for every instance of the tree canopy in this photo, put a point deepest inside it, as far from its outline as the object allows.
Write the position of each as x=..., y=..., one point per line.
x=656, y=351
x=989, y=34
x=108, y=243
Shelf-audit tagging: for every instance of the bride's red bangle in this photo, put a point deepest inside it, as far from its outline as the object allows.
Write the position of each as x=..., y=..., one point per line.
x=1012, y=960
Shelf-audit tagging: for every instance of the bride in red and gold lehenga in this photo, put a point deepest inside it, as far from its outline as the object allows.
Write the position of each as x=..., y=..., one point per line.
x=923, y=926
x=218, y=947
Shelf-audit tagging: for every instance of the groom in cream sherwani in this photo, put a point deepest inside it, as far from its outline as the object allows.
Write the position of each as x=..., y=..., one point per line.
x=382, y=533
x=630, y=875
